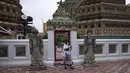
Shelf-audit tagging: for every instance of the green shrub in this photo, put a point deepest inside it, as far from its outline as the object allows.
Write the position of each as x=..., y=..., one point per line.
x=45, y=36
x=78, y=36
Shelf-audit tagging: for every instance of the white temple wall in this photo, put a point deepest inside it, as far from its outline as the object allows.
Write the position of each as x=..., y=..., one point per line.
x=18, y=51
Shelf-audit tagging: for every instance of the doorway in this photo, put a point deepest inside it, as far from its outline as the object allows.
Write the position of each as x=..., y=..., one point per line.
x=60, y=36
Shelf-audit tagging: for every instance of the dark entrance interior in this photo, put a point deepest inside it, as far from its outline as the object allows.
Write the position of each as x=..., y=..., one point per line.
x=60, y=36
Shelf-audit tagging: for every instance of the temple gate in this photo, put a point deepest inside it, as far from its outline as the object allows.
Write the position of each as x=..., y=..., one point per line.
x=60, y=29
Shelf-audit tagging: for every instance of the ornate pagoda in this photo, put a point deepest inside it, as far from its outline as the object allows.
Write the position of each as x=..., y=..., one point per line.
x=107, y=18
x=3, y=32
x=10, y=14
x=61, y=20
x=68, y=5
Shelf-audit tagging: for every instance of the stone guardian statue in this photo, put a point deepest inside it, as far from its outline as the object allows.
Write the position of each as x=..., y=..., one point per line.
x=89, y=45
x=36, y=49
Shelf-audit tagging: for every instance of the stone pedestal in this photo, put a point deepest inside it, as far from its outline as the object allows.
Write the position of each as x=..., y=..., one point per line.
x=91, y=65
x=128, y=70
x=38, y=68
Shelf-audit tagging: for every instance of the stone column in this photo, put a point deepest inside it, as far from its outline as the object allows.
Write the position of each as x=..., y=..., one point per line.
x=106, y=50
x=50, y=52
x=75, y=50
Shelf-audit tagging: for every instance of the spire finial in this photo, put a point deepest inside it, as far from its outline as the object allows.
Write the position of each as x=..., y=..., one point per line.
x=60, y=3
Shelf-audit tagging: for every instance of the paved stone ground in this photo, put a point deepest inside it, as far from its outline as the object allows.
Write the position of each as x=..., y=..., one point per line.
x=120, y=66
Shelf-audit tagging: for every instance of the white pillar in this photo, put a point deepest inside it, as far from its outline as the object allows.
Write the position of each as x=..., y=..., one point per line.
x=10, y=52
x=50, y=52
x=119, y=49
x=45, y=50
x=129, y=48
x=75, y=50
x=106, y=49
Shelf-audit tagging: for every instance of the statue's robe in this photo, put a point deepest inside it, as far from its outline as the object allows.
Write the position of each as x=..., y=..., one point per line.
x=89, y=45
x=36, y=48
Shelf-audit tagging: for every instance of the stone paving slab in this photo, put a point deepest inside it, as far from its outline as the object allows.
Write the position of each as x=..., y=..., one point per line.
x=120, y=66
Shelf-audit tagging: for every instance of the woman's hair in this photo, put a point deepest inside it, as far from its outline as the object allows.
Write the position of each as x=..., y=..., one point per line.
x=66, y=41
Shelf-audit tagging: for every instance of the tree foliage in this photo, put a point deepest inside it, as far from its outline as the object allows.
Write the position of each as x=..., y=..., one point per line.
x=78, y=36
x=45, y=36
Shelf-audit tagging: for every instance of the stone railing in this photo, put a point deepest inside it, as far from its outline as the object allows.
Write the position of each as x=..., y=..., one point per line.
x=17, y=52
x=108, y=49
x=14, y=52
